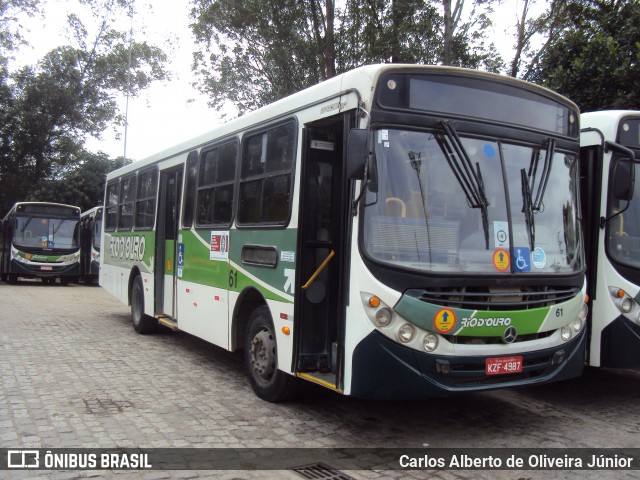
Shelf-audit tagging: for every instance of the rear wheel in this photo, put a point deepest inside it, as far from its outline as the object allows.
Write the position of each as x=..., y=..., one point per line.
x=142, y=323
x=261, y=357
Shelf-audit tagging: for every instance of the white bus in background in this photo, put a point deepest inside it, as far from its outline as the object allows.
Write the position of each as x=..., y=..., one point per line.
x=40, y=240
x=397, y=231
x=610, y=165
x=90, y=237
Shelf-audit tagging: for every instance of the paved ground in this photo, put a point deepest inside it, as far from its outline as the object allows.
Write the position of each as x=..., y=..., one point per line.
x=75, y=374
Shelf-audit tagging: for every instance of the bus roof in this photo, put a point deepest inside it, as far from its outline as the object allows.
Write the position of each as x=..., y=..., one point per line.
x=606, y=121
x=17, y=204
x=359, y=79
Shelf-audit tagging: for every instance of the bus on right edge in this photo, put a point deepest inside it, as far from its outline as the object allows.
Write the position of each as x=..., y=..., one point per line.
x=609, y=165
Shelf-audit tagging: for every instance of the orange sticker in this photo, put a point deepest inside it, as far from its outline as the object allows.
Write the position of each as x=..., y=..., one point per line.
x=501, y=260
x=169, y=265
x=444, y=320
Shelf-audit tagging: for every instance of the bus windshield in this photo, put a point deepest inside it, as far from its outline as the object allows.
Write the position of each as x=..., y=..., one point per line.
x=623, y=230
x=439, y=202
x=44, y=232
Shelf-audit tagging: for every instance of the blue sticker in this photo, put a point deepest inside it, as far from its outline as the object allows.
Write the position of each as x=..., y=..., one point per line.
x=489, y=151
x=522, y=259
x=539, y=258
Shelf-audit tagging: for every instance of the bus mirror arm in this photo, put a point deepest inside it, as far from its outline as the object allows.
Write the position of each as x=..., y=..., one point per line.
x=623, y=179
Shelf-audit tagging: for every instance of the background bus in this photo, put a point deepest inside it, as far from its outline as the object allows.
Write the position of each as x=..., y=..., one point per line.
x=396, y=231
x=90, y=237
x=40, y=240
x=610, y=163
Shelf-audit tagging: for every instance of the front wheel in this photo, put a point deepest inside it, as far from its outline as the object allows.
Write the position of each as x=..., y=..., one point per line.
x=261, y=357
x=142, y=323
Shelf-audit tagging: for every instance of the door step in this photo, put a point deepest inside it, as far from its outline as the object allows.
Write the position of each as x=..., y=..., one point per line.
x=168, y=322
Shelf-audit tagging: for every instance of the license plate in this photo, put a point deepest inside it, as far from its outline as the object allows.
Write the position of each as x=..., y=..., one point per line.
x=46, y=267
x=503, y=365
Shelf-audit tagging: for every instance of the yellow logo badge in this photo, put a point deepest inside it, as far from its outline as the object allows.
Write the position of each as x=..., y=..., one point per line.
x=444, y=321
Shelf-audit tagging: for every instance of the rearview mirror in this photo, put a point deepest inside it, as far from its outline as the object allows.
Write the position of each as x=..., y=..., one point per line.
x=357, y=153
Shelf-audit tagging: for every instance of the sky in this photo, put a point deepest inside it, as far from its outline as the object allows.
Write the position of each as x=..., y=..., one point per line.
x=173, y=111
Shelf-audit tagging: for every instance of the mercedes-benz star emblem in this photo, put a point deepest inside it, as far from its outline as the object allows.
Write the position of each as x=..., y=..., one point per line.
x=509, y=335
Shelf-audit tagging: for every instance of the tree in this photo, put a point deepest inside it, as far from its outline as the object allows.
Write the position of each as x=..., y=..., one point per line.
x=258, y=51
x=596, y=62
x=534, y=34
x=51, y=108
x=10, y=28
x=378, y=31
x=82, y=185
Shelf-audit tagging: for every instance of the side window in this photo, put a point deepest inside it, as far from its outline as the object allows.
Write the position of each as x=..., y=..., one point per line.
x=111, y=207
x=266, y=176
x=127, y=199
x=190, y=190
x=146, y=199
x=216, y=179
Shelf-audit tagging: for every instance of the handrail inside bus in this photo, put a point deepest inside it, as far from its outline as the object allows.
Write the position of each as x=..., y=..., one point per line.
x=320, y=268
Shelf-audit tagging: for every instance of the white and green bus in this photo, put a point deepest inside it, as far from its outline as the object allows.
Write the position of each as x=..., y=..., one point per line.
x=610, y=163
x=90, y=237
x=40, y=240
x=397, y=231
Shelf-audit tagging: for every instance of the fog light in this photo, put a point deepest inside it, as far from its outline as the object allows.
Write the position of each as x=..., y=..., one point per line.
x=558, y=357
x=626, y=305
x=565, y=333
x=406, y=333
x=430, y=342
x=443, y=366
x=383, y=317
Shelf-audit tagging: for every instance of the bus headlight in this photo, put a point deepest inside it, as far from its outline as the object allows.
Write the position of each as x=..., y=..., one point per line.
x=626, y=305
x=584, y=312
x=384, y=317
x=406, y=333
x=430, y=342
x=565, y=333
x=576, y=325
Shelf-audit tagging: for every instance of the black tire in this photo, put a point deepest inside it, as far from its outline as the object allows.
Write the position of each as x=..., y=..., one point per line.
x=142, y=323
x=260, y=350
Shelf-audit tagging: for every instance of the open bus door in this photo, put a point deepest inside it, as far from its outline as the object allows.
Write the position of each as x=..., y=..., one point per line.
x=165, y=267
x=595, y=193
x=323, y=253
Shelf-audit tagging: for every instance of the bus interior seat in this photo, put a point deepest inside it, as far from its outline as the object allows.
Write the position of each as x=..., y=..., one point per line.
x=396, y=207
x=416, y=208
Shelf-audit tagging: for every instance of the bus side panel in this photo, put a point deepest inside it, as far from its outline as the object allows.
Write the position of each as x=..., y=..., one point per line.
x=202, y=296
x=122, y=252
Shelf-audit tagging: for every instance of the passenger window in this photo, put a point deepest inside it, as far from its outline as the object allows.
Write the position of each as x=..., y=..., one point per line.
x=146, y=199
x=216, y=181
x=265, y=183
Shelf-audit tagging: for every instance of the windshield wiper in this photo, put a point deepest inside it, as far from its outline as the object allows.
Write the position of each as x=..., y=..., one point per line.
x=57, y=227
x=527, y=208
x=470, y=179
x=26, y=224
x=537, y=204
x=531, y=206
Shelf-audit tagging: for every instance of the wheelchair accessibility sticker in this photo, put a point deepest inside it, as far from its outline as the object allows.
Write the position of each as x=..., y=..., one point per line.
x=522, y=259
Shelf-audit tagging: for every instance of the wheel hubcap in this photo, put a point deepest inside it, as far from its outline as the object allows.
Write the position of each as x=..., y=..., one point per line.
x=263, y=359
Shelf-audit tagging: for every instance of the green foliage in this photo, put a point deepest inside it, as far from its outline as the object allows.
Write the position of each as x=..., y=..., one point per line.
x=82, y=185
x=596, y=62
x=258, y=51
x=48, y=110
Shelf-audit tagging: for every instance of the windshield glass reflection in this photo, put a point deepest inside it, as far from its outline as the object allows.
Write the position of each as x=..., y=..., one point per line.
x=421, y=214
